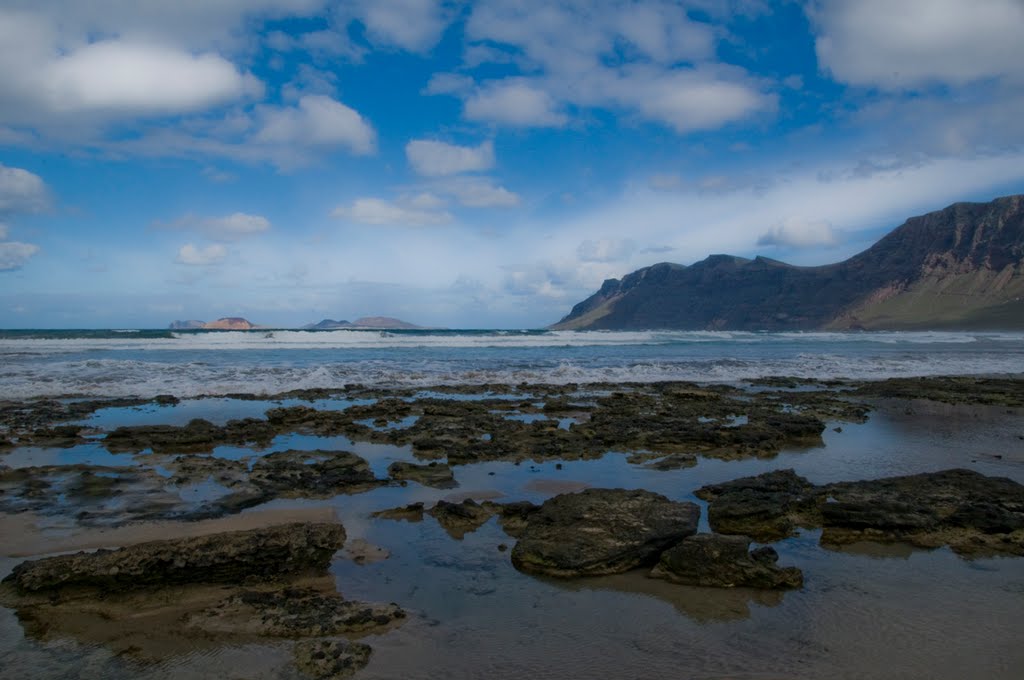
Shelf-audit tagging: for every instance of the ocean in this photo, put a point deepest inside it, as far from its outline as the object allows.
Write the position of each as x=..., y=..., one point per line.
x=867, y=609
x=36, y=363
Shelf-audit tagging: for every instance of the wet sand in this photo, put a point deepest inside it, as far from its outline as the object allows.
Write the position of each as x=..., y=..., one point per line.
x=866, y=610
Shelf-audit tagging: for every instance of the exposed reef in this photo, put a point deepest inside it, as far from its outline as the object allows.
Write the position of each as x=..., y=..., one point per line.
x=971, y=513
x=725, y=562
x=601, y=531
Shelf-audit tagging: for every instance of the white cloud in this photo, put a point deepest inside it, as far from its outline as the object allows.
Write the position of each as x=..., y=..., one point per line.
x=317, y=121
x=426, y=201
x=3, y=231
x=201, y=257
x=605, y=250
x=686, y=100
x=478, y=192
x=912, y=43
x=21, y=191
x=516, y=102
x=14, y=255
x=124, y=78
x=649, y=59
x=227, y=228
x=799, y=233
x=433, y=159
x=449, y=83
x=415, y=25
x=378, y=212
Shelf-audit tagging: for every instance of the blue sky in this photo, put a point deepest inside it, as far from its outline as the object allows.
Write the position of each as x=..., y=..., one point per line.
x=472, y=164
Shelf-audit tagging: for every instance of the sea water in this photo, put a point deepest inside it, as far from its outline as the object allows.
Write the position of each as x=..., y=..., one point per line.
x=865, y=611
x=188, y=363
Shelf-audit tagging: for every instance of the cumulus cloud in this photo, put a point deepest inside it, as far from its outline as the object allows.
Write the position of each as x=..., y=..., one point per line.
x=420, y=212
x=21, y=191
x=432, y=158
x=516, y=102
x=415, y=25
x=317, y=120
x=913, y=43
x=201, y=257
x=479, y=192
x=145, y=77
x=649, y=59
x=799, y=233
x=131, y=79
x=14, y=255
x=227, y=228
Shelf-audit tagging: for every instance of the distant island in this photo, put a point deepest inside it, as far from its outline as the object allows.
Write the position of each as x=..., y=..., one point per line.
x=227, y=323
x=366, y=322
x=957, y=268
x=237, y=323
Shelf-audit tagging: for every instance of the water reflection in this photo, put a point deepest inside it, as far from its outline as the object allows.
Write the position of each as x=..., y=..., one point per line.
x=704, y=605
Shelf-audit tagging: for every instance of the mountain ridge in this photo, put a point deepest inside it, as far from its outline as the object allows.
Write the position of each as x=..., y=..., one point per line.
x=959, y=267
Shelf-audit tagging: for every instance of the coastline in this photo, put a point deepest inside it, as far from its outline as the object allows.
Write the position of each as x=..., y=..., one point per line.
x=249, y=466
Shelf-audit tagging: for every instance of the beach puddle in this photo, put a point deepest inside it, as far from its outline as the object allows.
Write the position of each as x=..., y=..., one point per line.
x=865, y=610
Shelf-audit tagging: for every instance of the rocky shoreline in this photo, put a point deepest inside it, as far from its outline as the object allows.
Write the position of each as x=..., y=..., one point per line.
x=274, y=582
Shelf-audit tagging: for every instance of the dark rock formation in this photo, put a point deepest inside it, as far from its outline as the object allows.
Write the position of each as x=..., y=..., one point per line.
x=766, y=507
x=230, y=557
x=437, y=475
x=459, y=519
x=961, y=267
x=309, y=474
x=330, y=658
x=966, y=510
x=198, y=436
x=601, y=531
x=294, y=612
x=409, y=513
x=724, y=562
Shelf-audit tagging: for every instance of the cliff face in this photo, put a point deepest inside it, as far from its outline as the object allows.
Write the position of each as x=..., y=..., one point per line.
x=961, y=267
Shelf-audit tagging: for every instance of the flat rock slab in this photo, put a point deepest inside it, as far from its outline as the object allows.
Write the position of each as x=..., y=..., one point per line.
x=972, y=513
x=233, y=557
x=601, y=531
x=766, y=507
x=436, y=475
x=725, y=562
x=294, y=612
x=305, y=474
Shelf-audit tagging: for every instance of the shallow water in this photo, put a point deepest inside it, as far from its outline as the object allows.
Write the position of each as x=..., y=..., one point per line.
x=865, y=611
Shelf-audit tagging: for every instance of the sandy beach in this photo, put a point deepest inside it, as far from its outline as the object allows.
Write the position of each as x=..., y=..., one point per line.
x=444, y=496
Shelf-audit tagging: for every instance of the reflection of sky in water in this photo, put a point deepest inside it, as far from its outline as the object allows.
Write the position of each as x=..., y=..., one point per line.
x=865, y=611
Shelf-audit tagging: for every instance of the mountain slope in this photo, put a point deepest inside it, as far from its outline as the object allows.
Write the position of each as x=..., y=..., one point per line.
x=961, y=267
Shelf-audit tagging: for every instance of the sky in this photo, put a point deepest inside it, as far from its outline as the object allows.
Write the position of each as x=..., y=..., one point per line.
x=472, y=164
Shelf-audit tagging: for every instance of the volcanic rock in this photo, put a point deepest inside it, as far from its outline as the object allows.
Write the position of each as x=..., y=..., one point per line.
x=724, y=562
x=230, y=557
x=601, y=531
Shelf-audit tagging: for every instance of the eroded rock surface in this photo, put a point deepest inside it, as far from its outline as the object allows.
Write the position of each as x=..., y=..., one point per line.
x=601, y=531
x=331, y=658
x=294, y=612
x=970, y=512
x=198, y=436
x=459, y=519
x=724, y=562
x=231, y=557
x=766, y=507
x=434, y=474
x=305, y=474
